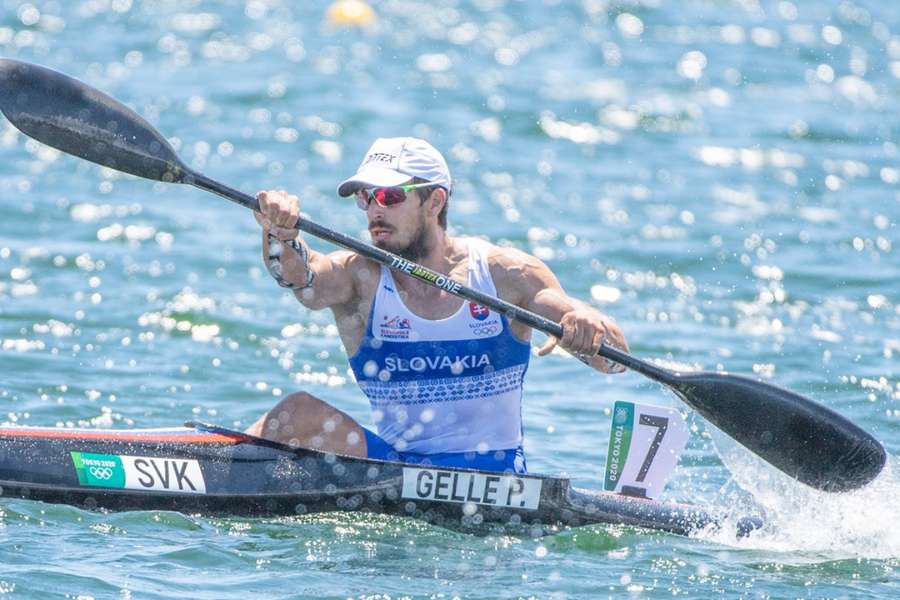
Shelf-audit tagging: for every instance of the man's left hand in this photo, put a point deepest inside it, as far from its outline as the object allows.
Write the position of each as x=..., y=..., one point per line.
x=584, y=330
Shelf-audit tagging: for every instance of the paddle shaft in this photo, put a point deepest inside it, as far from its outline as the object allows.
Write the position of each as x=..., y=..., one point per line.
x=424, y=274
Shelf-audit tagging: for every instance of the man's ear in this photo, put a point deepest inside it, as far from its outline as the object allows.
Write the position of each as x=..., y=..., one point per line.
x=436, y=200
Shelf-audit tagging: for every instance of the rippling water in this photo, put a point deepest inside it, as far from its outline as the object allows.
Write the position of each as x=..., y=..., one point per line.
x=722, y=178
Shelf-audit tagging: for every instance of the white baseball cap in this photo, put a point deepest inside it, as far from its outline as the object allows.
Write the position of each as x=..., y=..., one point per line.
x=393, y=161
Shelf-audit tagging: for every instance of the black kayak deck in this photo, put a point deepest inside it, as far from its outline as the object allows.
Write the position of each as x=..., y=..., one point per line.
x=201, y=469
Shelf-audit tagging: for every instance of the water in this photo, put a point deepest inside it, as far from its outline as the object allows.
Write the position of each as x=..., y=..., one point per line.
x=722, y=178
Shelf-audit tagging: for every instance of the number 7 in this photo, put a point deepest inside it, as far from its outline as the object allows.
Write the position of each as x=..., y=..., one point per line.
x=662, y=424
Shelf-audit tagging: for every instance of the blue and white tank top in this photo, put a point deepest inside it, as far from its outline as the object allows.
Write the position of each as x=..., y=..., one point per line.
x=446, y=385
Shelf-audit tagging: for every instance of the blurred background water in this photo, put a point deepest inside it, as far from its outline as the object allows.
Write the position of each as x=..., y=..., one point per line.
x=720, y=177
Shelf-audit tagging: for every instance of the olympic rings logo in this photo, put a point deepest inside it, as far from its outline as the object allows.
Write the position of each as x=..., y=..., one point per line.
x=101, y=472
x=485, y=331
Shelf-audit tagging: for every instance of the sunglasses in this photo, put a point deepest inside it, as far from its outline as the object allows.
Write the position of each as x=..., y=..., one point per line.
x=386, y=196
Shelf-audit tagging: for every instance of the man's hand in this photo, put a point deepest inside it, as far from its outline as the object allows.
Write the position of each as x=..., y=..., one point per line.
x=584, y=330
x=278, y=213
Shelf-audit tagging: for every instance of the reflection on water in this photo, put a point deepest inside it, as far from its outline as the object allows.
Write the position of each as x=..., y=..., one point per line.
x=721, y=178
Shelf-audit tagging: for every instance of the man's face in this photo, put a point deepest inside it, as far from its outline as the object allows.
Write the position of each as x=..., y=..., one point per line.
x=400, y=228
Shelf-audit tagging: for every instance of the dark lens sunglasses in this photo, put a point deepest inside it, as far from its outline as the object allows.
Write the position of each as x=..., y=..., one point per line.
x=386, y=196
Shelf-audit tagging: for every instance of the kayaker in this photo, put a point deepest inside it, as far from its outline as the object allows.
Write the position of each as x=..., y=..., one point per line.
x=444, y=376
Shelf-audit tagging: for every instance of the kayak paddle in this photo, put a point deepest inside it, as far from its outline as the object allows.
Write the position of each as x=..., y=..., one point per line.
x=806, y=440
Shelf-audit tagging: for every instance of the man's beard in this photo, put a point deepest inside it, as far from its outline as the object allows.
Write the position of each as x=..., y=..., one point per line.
x=415, y=250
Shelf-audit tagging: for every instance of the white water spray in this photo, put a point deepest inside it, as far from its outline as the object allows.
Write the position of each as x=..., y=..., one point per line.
x=819, y=525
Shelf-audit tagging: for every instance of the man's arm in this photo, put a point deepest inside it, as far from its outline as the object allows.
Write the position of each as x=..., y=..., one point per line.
x=317, y=280
x=529, y=283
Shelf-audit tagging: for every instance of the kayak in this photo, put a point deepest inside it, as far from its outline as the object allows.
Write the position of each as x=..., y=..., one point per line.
x=209, y=470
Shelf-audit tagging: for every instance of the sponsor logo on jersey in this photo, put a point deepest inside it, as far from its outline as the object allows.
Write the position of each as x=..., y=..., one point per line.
x=455, y=364
x=478, y=311
x=477, y=488
x=397, y=328
x=179, y=475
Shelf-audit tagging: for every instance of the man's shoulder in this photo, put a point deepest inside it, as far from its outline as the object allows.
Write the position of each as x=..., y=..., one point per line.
x=495, y=253
x=506, y=257
x=352, y=260
x=514, y=271
x=362, y=271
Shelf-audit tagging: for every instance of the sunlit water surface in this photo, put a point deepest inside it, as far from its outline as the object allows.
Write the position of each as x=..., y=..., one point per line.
x=722, y=178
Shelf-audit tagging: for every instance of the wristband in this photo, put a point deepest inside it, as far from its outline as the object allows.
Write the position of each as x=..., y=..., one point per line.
x=273, y=264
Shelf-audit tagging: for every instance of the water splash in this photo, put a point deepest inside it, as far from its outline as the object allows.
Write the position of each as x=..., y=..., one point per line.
x=807, y=523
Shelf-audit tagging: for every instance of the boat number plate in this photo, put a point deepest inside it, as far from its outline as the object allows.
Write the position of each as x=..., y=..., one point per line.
x=478, y=488
x=644, y=445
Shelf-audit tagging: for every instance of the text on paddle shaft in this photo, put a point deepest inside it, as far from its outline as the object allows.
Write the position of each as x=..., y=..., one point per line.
x=419, y=272
x=478, y=488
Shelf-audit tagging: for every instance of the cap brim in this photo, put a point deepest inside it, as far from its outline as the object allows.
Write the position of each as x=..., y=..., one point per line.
x=371, y=177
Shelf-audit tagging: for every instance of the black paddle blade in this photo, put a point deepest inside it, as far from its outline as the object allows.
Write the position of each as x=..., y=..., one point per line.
x=71, y=116
x=806, y=440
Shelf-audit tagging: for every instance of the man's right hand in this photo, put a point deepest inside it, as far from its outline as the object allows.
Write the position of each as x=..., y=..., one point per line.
x=278, y=213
